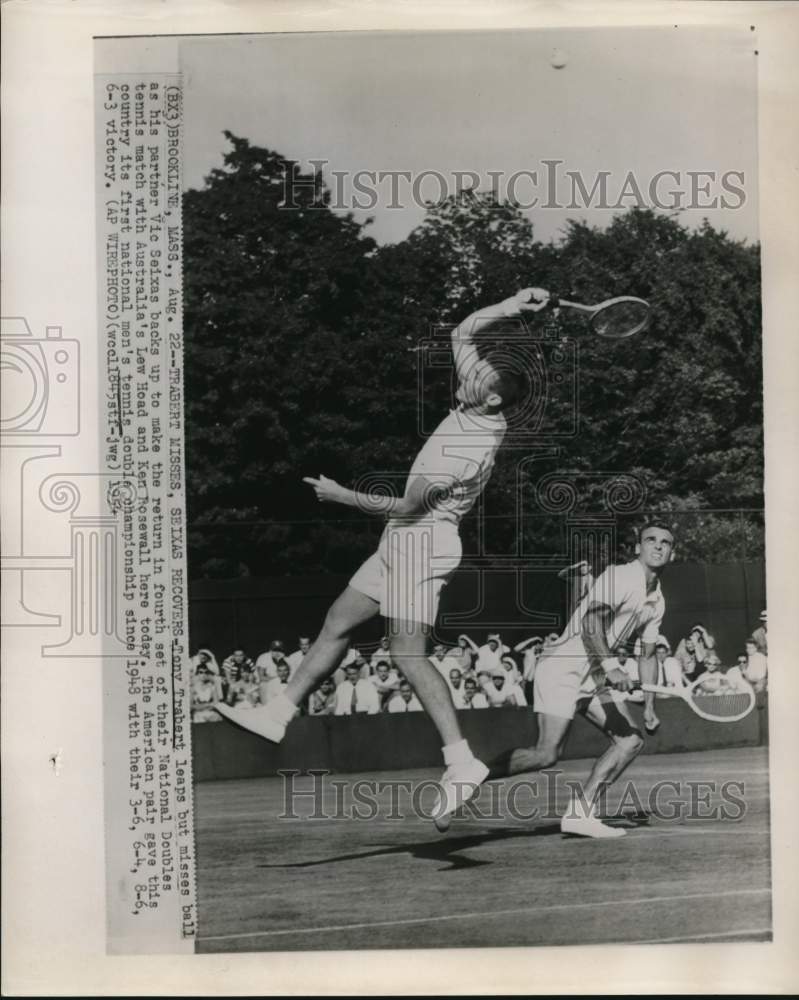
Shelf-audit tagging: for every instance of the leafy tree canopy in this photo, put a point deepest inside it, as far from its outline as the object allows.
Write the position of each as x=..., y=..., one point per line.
x=298, y=328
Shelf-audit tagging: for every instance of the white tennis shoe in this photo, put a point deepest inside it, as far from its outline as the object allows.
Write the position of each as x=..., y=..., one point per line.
x=258, y=720
x=590, y=826
x=458, y=784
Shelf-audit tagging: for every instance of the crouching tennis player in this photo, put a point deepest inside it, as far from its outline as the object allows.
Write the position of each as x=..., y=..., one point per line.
x=579, y=673
x=420, y=548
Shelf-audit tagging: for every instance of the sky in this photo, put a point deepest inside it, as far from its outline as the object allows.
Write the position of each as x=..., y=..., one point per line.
x=638, y=100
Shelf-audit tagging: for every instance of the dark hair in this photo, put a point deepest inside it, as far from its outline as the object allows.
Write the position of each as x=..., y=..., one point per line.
x=653, y=522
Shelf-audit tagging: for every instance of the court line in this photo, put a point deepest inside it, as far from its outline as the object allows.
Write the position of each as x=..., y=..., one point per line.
x=703, y=937
x=483, y=914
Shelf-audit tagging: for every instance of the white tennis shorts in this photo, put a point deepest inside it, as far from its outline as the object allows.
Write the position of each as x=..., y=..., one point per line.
x=558, y=685
x=409, y=569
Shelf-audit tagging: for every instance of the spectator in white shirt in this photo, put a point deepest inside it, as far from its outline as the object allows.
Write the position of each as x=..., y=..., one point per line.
x=355, y=694
x=296, y=658
x=405, y=700
x=760, y=634
x=455, y=682
x=512, y=674
x=756, y=672
x=464, y=653
x=385, y=682
x=490, y=655
x=353, y=655
x=736, y=675
x=382, y=654
x=440, y=660
x=669, y=668
x=500, y=692
x=243, y=691
x=272, y=688
x=266, y=664
x=472, y=696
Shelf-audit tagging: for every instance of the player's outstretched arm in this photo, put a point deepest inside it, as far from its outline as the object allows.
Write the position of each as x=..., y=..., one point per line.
x=528, y=300
x=419, y=498
x=596, y=622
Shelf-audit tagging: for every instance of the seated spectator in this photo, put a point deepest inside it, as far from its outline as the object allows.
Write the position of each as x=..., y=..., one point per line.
x=736, y=675
x=351, y=656
x=472, y=696
x=441, y=660
x=685, y=654
x=233, y=665
x=243, y=691
x=405, y=700
x=464, y=653
x=206, y=657
x=759, y=635
x=382, y=654
x=455, y=682
x=756, y=672
x=206, y=688
x=669, y=670
x=703, y=642
x=299, y=654
x=512, y=674
x=713, y=680
x=266, y=664
x=490, y=655
x=356, y=694
x=385, y=682
x=272, y=688
x=323, y=700
x=500, y=692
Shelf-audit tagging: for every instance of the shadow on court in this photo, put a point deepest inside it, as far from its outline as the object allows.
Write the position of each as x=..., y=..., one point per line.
x=266, y=884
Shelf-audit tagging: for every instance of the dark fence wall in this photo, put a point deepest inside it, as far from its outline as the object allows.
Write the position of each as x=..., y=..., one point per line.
x=225, y=614
x=399, y=742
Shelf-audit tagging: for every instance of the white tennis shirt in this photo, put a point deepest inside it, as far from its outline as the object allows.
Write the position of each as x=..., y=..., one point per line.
x=459, y=456
x=636, y=613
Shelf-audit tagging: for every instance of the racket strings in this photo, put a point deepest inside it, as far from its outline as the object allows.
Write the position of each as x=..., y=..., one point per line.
x=620, y=319
x=722, y=704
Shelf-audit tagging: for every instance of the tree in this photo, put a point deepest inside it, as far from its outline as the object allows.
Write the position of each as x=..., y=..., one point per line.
x=298, y=329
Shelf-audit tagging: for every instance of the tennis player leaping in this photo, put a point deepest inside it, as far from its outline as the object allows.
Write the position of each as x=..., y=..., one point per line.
x=420, y=549
x=580, y=673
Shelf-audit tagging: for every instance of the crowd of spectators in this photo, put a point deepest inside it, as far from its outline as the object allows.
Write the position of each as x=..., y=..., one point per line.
x=491, y=675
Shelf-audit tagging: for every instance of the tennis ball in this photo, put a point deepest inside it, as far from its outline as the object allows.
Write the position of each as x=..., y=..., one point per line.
x=558, y=59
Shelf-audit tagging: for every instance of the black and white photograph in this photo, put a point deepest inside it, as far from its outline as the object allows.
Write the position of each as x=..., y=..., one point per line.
x=399, y=442
x=474, y=435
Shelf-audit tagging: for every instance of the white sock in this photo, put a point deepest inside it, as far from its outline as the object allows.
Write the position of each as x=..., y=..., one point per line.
x=457, y=753
x=282, y=709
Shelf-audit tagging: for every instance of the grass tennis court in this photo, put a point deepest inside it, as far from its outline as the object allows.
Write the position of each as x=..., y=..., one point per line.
x=269, y=884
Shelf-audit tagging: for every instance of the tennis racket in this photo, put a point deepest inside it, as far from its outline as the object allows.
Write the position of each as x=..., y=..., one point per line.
x=727, y=704
x=614, y=319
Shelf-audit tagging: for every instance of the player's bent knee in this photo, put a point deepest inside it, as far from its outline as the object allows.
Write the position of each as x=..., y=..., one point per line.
x=632, y=743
